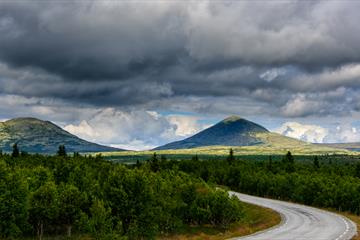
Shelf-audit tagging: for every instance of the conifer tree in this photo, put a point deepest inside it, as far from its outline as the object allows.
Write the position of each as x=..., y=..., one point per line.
x=316, y=162
x=230, y=159
x=62, y=151
x=15, y=152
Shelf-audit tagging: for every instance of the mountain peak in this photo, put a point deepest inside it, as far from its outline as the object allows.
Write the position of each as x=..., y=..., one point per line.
x=232, y=131
x=38, y=136
x=231, y=118
x=24, y=119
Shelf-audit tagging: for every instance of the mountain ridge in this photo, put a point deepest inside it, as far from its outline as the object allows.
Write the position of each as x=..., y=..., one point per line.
x=37, y=136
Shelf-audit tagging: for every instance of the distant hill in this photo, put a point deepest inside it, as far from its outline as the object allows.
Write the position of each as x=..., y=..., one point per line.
x=245, y=137
x=37, y=136
x=232, y=131
x=348, y=146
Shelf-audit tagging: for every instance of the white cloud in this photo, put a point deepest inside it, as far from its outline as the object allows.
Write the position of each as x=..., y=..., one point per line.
x=346, y=76
x=272, y=74
x=185, y=125
x=83, y=130
x=134, y=145
x=308, y=133
x=341, y=133
x=300, y=105
x=344, y=133
x=135, y=130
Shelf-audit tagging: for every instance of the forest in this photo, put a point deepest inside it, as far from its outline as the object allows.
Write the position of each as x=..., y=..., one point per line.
x=328, y=181
x=62, y=195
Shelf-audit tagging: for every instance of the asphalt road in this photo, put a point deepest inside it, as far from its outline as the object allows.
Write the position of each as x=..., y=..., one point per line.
x=300, y=222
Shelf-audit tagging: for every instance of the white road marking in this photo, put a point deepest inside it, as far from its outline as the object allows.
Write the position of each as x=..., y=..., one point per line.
x=300, y=222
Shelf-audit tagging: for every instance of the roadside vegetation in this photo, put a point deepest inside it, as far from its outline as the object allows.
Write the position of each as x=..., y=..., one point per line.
x=255, y=219
x=42, y=196
x=87, y=197
x=320, y=181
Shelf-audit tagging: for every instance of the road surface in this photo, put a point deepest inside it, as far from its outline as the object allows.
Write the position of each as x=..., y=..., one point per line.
x=300, y=222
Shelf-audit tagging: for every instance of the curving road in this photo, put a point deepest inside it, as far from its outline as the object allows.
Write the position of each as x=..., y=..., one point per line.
x=300, y=222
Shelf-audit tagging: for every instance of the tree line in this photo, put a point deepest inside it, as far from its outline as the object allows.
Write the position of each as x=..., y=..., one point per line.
x=62, y=194
x=323, y=181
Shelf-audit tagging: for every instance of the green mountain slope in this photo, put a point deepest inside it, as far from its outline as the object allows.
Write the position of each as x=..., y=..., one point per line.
x=37, y=136
x=232, y=131
x=245, y=137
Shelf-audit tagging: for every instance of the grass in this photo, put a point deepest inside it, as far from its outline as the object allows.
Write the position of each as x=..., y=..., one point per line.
x=255, y=219
x=274, y=144
x=62, y=237
x=217, y=152
x=355, y=219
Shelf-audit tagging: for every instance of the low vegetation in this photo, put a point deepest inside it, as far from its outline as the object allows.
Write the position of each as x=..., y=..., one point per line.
x=255, y=219
x=275, y=145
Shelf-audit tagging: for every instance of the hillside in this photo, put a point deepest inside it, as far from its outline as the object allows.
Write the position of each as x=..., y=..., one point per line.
x=349, y=146
x=37, y=136
x=245, y=137
x=232, y=131
x=272, y=144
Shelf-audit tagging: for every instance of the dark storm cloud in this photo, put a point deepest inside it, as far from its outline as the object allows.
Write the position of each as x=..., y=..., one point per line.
x=68, y=40
x=276, y=54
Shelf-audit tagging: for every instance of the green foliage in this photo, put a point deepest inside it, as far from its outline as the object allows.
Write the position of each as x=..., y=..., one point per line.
x=45, y=195
x=154, y=163
x=335, y=184
x=15, y=151
x=288, y=161
x=62, y=151
x=230, y=159
x=13, y=202
x=44, y=206
x=99, y=222
x=316, y=162
x=71, y=201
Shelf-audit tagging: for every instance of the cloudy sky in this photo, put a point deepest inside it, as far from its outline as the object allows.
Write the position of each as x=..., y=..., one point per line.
x=138, y=74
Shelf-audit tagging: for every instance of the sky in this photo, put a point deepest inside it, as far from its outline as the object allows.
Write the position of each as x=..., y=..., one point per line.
x=138, y=74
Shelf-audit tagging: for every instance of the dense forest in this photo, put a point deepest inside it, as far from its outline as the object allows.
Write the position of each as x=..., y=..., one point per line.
x=59, y=195
x=321, y=181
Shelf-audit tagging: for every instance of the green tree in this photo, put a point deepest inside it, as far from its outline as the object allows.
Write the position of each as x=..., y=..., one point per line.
x=316, y=162
x=154, y=163
x=99, y=223
x=15, y=153
x=100, y=220
x=230, y=159
x=13, y=202
x=357, y=170
x=289, y=162
x=131, y=199
x=270, y=164
x=138, y=164
x=195, y=158
x=71, y=201
x=44, y=207
x=62, y=151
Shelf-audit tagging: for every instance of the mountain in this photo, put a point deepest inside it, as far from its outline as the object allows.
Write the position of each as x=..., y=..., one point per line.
x=37, y=136
x=245, y=137
x=232, y=131
x=349, y=146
